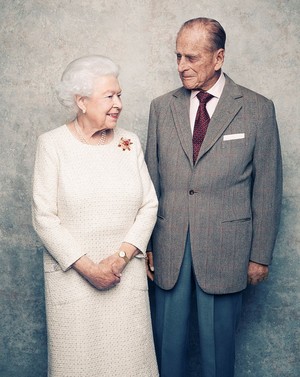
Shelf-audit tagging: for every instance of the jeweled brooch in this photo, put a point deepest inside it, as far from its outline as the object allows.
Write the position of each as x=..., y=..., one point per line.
x=125, y=144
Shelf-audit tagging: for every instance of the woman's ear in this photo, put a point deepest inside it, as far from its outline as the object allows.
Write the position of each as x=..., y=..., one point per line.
x=80, y=101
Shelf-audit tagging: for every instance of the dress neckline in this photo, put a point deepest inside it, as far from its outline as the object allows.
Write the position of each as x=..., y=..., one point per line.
x=91, y=146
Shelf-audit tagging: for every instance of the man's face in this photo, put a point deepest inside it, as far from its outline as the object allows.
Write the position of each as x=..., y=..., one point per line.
x=198, y=66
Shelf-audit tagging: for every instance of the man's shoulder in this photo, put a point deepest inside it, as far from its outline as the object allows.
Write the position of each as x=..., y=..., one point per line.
x=124, y=133
x=251, y=94
x=169, y=95
x=245, y=92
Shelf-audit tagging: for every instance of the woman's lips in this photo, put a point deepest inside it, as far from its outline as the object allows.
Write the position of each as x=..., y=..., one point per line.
x=114, y=115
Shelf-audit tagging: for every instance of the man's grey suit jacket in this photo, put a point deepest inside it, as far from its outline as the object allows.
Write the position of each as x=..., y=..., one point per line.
x=229, y=201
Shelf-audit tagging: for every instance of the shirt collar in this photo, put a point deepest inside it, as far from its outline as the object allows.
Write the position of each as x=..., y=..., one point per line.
x=215, y=90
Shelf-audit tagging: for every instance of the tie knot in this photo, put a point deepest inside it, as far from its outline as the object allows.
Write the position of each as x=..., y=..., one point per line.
x=204, y=97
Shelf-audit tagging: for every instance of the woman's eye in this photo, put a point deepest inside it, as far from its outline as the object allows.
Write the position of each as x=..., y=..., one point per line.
x=112, y=96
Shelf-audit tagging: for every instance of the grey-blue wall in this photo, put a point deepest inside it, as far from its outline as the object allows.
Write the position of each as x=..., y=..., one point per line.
x=37, y=39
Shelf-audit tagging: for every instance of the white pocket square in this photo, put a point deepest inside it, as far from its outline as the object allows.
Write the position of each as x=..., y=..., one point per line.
x=233, y=137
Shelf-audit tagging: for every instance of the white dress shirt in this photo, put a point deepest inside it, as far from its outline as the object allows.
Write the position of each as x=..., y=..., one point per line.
x=211, y=105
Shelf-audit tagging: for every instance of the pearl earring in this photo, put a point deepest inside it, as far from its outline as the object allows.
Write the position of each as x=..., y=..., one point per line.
x=83, y=111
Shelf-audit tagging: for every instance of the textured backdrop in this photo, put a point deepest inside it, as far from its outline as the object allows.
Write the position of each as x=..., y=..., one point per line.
x=37, y=39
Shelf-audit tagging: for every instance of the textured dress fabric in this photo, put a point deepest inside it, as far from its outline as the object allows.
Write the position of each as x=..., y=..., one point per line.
x=87, y=200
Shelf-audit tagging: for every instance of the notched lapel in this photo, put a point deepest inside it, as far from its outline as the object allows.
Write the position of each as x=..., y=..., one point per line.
x=229, y=105
x=180, y=106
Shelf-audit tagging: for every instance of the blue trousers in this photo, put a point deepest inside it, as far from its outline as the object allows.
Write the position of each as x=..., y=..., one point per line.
x=217, y=321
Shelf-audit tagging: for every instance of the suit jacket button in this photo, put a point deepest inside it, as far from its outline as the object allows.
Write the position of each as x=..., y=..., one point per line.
x=191, y=192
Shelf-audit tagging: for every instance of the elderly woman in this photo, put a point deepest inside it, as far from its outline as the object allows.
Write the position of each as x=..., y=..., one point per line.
x=94, y=208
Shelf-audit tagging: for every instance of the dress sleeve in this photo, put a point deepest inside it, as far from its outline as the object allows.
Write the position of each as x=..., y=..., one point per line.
x=140, y=232
x=56, y=238
x=151, y=155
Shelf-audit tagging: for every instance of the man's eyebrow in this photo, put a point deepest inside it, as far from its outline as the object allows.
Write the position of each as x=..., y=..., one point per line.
x=187, y=55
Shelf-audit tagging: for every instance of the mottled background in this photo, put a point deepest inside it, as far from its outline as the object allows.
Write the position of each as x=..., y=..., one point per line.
x=38, y=38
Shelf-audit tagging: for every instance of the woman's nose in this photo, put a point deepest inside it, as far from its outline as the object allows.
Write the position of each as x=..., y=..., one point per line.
x=117, y=102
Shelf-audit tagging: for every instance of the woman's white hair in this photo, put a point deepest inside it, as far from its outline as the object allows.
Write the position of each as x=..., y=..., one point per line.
x=79, y=79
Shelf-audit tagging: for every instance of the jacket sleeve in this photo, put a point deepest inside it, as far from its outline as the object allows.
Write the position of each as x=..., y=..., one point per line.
x=151, y=154
x=267, y=186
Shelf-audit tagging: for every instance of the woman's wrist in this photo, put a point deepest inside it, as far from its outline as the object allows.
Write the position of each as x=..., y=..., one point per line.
x=130, y=250
x=84, y=266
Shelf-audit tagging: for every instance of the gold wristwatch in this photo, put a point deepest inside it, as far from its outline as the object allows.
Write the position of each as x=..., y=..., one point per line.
x=123, y=255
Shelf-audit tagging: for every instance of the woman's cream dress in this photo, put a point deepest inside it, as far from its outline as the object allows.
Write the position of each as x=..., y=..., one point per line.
x=87, y=200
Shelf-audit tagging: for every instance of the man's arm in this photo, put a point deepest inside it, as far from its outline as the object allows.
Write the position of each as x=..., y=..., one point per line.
x=266, y=194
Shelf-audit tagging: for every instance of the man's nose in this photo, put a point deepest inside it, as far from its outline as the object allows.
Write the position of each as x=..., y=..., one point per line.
x=182, y=66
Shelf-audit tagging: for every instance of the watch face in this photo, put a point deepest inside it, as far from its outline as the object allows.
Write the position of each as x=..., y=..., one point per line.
x=122, y=254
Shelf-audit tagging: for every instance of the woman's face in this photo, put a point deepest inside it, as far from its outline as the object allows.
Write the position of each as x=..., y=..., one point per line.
x=104, y=106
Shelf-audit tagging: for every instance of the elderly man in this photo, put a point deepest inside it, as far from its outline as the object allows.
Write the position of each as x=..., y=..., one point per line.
x=213, y=153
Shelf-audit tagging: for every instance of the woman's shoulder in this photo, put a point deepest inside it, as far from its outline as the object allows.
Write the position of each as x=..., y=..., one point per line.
x=54, y=133
x=125, y=135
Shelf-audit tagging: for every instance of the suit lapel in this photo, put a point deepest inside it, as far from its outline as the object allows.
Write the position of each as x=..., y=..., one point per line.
x=180, y=107
x=228, y=106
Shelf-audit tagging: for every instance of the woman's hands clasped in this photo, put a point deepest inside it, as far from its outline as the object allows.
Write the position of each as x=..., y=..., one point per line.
x=103, y=275
x=106, y=274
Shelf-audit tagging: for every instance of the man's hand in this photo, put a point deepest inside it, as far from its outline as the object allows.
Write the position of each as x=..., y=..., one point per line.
x=257, y=273
x=149, y=265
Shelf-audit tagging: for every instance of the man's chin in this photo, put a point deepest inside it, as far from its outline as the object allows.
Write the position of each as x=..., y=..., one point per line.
x=188, y=84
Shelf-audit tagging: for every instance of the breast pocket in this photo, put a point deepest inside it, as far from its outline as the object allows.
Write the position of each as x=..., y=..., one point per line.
x=231, y=144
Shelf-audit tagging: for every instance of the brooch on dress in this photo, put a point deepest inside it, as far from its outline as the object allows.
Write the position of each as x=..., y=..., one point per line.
x=125, y=144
